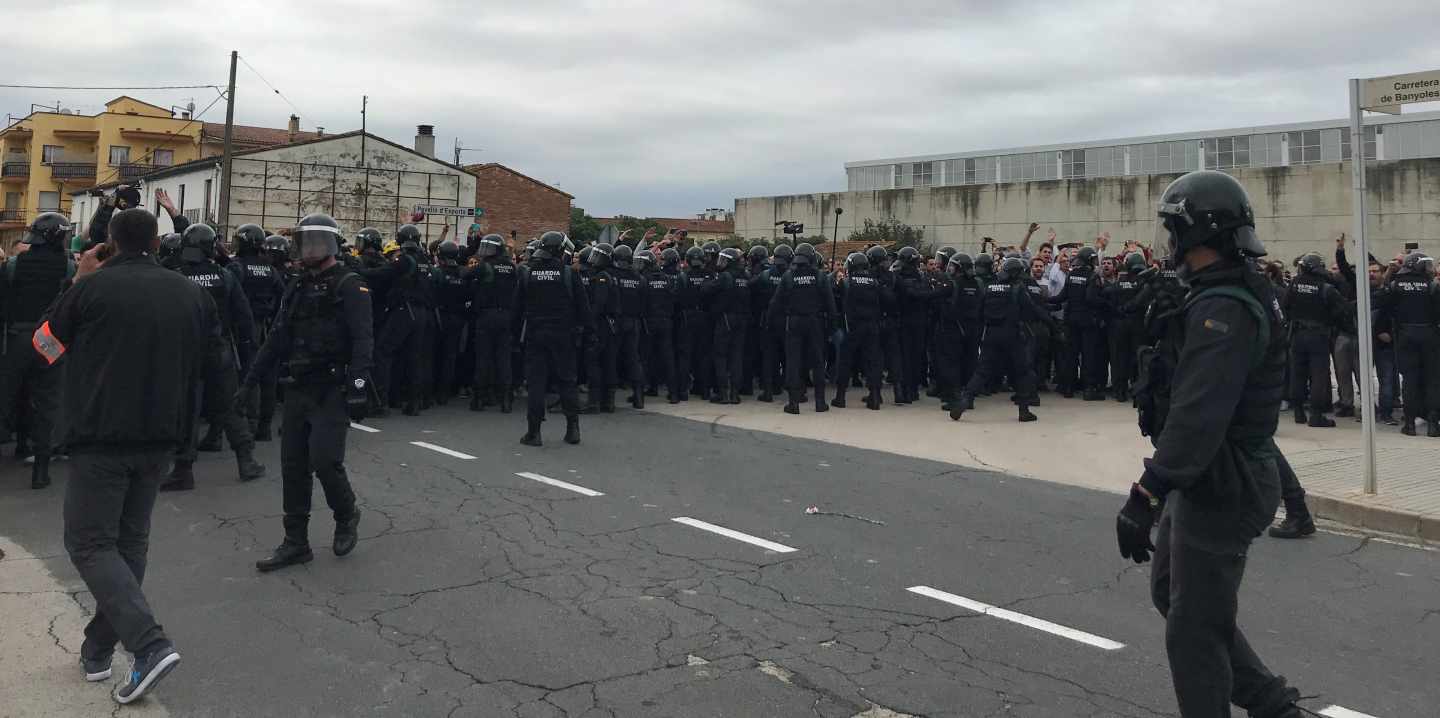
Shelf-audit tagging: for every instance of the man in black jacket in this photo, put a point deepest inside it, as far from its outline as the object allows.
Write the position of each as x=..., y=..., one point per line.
x=804, y=304
x=1316, y=312
x=263, y=285
x=137, y=338
x=863, y=299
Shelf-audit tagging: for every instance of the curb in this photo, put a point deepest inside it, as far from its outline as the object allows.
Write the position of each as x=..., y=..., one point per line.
x=1379, y=518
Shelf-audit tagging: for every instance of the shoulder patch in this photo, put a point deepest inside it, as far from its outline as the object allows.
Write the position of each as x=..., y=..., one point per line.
x=1217, y=326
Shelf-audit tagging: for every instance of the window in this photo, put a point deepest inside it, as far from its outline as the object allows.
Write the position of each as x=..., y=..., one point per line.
x=164, y=158
x=49, y=202
x=1227, y=152
x=1370, y=133
x=1304, y=147
x=897, y=176
x=921, y=174
x=12, y=200
x=50, y=154
x=1072, y=163
x=119, y=155
x=181, y=206
x=1267, y=150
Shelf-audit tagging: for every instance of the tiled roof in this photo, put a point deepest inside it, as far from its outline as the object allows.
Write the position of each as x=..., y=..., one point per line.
x=249, y=136
x=477, y=169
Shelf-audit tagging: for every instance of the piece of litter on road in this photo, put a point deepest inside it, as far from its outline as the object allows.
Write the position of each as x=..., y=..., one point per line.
x=650, y=506
x=1343, y=712
x=691, y=660
x=824, y=465
x=815, y=511
x=780, y=674
x=404, y=466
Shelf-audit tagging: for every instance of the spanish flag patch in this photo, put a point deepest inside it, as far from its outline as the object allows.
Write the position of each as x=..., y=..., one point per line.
x=45, y=342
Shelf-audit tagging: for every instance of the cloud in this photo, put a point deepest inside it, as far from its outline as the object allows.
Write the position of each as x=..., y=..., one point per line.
x=649, y=107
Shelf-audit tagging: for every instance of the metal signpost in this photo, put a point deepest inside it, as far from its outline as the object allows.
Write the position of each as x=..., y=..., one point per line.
x=1377, y=94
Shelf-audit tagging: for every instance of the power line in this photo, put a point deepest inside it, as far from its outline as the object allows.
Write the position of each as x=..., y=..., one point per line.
x=73, y=87
x=272, y=87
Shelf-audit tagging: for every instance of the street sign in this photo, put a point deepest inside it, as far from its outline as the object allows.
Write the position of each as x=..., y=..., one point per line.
x=1387, y=94
x=447, y=211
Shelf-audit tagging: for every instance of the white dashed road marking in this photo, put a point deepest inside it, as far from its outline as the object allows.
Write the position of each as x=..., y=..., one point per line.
x=1038, y=624
x=729, y=533
x=364, y=428
x=1343, y=712
x=558, y=483
x=443, y=450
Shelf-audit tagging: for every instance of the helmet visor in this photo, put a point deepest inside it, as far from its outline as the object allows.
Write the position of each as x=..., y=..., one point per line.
x=313, y=243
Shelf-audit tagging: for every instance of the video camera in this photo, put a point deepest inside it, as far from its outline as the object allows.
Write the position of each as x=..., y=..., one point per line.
x=794, y=229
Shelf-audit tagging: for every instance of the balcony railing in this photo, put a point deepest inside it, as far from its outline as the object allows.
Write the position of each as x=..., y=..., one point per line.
x=12, y=216
x=15, y=169
x=72, y=170
x=133, y=171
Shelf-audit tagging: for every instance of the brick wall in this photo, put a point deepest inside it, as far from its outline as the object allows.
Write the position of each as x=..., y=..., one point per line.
x=514, y=202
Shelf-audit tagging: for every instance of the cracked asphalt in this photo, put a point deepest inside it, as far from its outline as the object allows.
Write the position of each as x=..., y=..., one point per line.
x=476, y=592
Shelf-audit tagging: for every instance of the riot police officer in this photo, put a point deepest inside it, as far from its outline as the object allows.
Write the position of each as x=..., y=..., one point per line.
x=453, y=305
x=492, y=299
x=600, y=348
x=263, y=286
x=1316, y=310
x=1084, y=349
x=772, y=337
x=728, y=295
x=406, y=316
x=370, y=256
x=323, y=337
x=552, y=308
x=1126, y=323
x=237, y=329
x=804, y=304
x=913, y=293
x=1214, y=468
x=694, y=360
x=1008, y=308
x=31, y=280
x=630, y=289
x=1411, y=303
x=965, y=302
x=661, y=297
x=880, y=263
x=756, y=262
x=862, y=302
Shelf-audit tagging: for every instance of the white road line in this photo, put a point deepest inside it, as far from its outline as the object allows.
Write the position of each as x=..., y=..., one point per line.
x=443, y=450
x=1038, y=624
x=558, y=483
x=729, y=533
x=1343, y=712
x=364, y=428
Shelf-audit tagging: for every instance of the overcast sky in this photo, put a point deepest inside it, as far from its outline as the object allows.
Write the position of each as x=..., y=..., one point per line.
x=668, y=107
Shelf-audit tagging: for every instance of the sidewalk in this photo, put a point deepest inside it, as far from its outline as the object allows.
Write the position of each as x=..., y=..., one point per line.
x=1096, y=445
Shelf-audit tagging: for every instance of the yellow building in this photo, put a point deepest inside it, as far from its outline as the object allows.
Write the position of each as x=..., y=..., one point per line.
x=48, y=155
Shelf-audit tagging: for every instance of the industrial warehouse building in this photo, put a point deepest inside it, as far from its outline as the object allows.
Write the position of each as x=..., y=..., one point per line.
x=1298, y=177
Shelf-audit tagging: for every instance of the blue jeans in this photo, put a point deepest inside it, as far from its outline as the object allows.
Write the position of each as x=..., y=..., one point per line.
x=1389, y=377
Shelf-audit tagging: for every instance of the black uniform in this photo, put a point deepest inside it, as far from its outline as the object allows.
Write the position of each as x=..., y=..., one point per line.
x=727, y=294
x=1125, y=327
x=1084, y=349
x=492, y=300
x=1007, y=308
x=661, y=300
x=1411, y=304
x=30, y=281
x=324, y=338
x=404, y=328
x=912, y=295
x=694, y=360
x=624, y=360
x=237, y=327
x=863, y=299
x=600, y=353
x=947, y=337
x=552, y=308
x=1316, y=311
x=452, y=304
x=771, y=335
x=966, y=305
x=264, y=285
x=804, y=304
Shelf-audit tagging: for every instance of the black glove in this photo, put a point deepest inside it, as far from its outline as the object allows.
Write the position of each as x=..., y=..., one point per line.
x=1132, y=526
x=357, y=396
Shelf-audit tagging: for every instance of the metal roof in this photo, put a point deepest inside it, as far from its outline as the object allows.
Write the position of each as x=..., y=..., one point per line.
x=1173, y=137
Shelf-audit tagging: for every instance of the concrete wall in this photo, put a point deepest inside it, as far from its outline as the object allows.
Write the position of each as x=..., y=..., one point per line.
x=1298, y=209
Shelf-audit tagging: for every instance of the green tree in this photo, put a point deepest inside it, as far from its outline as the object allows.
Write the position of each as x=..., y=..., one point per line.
x=892, y=234
x=638, y=227
x=583, y=228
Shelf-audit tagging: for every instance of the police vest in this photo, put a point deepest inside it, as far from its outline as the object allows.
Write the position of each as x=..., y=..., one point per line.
x=860, y=297
x=259, y=279
x=320, y=337
x=1002, y=304
x=1306, y=303
x=212, y=279
x=32, y=280
x=1413, y=298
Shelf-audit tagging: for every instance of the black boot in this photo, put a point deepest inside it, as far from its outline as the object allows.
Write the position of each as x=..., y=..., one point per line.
x=1296, y=525
x=1320, y=421
x=346, y=534
x=820, y=404
x=839, y=401
x=211, y=442
x=1432, y=430
x=962, y=404
x=1300, y=417
x=507, y=399
x=1025, y=414
x=1093, y=395
x=671, y=396
x=572, y=430
x=475, y=404
x=262, y=431
x=250, y=469
x=766, y=396
x=1408, y=428
x=411, y=409
x=733, y=397
x=793, y=405
x=872, y=402
x=182, y=477
x=900, y=397
x=637, y=399
x=40, y=472
x=532, y=433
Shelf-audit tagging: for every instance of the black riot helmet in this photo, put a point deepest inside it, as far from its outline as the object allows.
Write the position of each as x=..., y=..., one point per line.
x=407, y=235
x=728, y=257
x=805, y=255
x=531, y=248
x=670, y=258
x=856, y=262
x=600, y=255
x=585, y=256
x=551, y=245
x=694, y=257
x=249, y=239
x=984, y=265
x=448, y=253
x=369, y=238
x=48, y=228
x=758, y=254
x=622, y=256
x=1084, y=257
x=909, y=256
x=1135, y=262
x=1207, y=208
x=644, y=260
x=784, y=254
x=567, y=250
x=1011, y=269
x=197, y=243
x=961, y=265
x=1416, y=263
x=314, y=239
x=1312, y=263
x=491, y=245
x=712, y=251
x=878, y=256
x=170, y=246
x=277, y=247
x=943, y=256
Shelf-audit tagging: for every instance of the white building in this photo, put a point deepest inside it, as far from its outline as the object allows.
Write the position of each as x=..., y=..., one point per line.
x=276, y=187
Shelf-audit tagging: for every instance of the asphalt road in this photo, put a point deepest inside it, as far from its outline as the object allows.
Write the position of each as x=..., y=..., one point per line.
x=476, y=591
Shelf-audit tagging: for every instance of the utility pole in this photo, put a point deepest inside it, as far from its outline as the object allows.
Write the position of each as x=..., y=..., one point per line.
x=364, y=105
x=225, y=164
